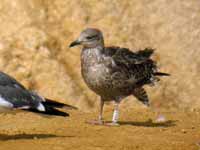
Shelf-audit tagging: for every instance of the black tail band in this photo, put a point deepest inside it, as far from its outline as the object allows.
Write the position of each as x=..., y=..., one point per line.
x=161, y=74
x=53, y=103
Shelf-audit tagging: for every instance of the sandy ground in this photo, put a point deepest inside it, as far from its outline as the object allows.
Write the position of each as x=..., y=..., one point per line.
x=138, y=130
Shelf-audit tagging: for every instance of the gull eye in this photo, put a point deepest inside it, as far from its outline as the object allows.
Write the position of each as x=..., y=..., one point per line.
x=91, y=37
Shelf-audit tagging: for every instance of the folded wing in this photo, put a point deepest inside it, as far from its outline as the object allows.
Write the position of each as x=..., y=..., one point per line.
x=138, y=66
x=17, y=98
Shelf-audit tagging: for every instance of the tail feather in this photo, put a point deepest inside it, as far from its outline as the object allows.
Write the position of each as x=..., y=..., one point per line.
x=53, y=103
x=50, y=108
x=161, y=74
x=49, y=111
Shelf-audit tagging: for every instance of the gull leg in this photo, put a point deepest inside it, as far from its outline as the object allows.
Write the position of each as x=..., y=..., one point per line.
x=115, y=115
x=100, y=119
x=101, y=111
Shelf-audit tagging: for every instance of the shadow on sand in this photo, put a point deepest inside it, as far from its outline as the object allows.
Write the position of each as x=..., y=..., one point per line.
x=5, y=137
x=149, y=123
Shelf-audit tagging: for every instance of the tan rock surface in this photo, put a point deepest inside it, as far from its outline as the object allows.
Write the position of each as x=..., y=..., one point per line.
x=35, y=34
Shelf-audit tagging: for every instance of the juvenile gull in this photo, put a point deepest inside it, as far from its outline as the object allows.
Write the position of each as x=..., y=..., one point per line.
x=14, y=95
x=114, y=72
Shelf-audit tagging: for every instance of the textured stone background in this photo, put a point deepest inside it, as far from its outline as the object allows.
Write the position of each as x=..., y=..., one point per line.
x=35, y=34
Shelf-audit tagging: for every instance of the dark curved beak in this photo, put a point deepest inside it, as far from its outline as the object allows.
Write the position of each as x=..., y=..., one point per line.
x=74, y=43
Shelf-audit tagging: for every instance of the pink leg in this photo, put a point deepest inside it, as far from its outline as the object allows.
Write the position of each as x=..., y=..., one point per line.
x=115, y=115
x=100, y=119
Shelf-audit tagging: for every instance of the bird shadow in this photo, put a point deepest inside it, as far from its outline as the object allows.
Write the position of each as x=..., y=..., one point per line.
x=149, y=123
x=5, y=137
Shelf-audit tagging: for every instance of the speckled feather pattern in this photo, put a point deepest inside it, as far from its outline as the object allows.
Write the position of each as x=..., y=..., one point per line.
x=114, y=72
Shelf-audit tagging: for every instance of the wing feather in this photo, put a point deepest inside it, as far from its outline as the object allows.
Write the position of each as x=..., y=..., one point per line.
x=6, y=80
x=139, y=65
x=19, y=98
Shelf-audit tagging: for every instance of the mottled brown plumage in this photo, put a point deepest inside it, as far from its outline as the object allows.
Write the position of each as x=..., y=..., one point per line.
x=113, y=72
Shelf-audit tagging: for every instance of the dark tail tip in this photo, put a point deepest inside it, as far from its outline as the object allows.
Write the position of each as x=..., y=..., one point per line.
x=53, y=103
x=55, y=112
x=49, y=111
x=161, y=74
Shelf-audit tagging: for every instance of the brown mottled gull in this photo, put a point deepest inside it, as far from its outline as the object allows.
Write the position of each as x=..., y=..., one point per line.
x=114, y=72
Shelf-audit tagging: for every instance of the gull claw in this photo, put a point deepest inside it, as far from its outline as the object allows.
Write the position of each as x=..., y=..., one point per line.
x=112, y=124
x=95, y=122
x=161, y=118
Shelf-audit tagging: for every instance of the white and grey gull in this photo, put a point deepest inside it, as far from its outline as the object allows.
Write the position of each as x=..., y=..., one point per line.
x=14, y=96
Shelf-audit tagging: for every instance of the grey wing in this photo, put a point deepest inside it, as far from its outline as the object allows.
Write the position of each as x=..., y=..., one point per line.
x=18, y=98
x=6, y=80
